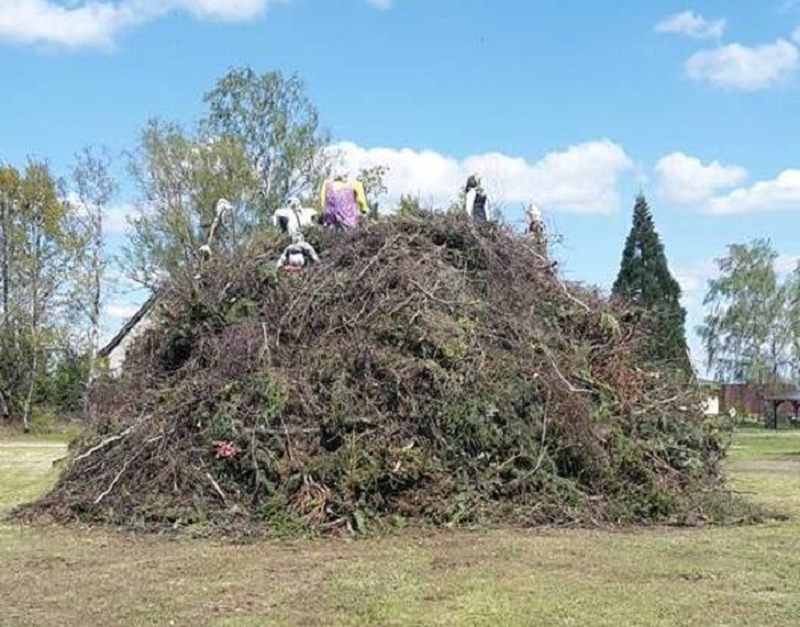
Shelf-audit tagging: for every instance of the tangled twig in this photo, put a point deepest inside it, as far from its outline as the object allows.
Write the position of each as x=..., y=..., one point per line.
x=301, y=393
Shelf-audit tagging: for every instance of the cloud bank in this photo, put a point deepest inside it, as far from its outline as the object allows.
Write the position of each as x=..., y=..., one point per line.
x=98, y=23
x=582, y=178
x=720, y=189
x=735, y=66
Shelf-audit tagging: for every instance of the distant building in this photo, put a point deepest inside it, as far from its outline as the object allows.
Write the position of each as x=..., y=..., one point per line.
x=711, y=404
x=744, y=397
x=785, y=400
x=747, y=399
x=115, y=351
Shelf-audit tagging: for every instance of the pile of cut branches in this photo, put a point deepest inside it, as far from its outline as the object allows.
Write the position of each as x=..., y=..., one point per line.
x=424, y=371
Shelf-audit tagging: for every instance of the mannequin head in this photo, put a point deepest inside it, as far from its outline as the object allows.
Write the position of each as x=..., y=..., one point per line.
x=473, y=181
x=534, y=213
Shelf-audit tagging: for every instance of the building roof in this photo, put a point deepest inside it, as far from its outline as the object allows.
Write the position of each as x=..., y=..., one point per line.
x=128, y=326
x=793, y=395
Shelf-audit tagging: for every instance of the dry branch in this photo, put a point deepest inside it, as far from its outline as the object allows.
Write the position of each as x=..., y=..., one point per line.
x=104, y=443
x=413, y=329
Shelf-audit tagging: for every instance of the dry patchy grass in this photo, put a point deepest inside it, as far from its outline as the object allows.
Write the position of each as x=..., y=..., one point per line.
x=661, y=576
x=26, y=467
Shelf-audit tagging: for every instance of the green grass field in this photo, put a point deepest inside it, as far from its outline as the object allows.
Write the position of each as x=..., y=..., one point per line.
x=747, y=575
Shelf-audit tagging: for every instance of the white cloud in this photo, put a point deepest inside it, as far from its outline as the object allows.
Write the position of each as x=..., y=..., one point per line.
x=686, y=180
x=693, y=278
x=227, y=10
x=121, y=285
x=786, y=264
x=780, y=193
x=692, y=25
x=380, y=4
x=115, y=217
x=97, y=24
x=115, y=220
x=582, y=178
x=121, y=310
x=739, y=67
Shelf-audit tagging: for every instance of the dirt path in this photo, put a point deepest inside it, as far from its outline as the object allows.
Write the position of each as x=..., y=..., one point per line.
x=782, y=466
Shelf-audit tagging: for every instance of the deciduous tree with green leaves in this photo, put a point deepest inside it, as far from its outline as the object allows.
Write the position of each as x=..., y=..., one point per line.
x=40, y=244
x=271, y=116
x=751, y=332
x=259, y=144
x=93, y=188
x=13, y=348
x=373, y=179
x=181, y=176
x=645, y=281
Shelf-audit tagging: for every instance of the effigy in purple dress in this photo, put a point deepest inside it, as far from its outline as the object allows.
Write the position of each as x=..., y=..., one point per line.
x=341, y=209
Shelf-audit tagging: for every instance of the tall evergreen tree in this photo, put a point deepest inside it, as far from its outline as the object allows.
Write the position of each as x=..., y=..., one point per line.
x=645, y=281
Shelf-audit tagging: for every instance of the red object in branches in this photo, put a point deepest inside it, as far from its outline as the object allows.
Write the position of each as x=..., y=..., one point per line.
x=226, y=450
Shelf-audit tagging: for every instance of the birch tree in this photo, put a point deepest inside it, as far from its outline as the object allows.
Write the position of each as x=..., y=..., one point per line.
x=259, y=143
x=751, y=332
x=180, y=178
x=40, y=249
x=94, y=188
x=271, y=116
x=10, y=235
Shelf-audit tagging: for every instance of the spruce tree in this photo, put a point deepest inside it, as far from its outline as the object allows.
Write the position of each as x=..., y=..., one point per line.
x=644, y=280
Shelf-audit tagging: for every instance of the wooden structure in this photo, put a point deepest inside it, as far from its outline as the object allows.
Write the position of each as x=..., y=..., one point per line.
x=744, y=397
x=777, y=400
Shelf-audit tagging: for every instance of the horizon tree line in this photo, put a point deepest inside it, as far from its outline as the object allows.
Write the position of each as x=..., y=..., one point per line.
x=259, y=142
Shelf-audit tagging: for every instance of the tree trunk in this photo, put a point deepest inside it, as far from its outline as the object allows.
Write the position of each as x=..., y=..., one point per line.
x=94, y=340
x=5, y=413
x=4, y=220
x=34, y=327
x=26, y=411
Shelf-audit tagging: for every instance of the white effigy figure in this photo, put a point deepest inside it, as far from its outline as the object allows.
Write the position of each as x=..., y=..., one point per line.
x=536, y=230
x=297, y=255
x=292, y=218
x=222, y=206
x=475, y=200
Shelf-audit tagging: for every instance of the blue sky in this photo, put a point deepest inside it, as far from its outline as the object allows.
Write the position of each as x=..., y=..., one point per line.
x=574, y=104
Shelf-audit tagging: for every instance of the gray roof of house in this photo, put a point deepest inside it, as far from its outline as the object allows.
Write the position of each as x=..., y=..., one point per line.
x=794, y=395
x=128, y=326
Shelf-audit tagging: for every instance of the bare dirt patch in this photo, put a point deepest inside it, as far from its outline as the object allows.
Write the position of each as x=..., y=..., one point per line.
x=778, y=466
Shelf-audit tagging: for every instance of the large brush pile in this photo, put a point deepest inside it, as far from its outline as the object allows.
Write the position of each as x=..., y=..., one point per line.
x=422, y=371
